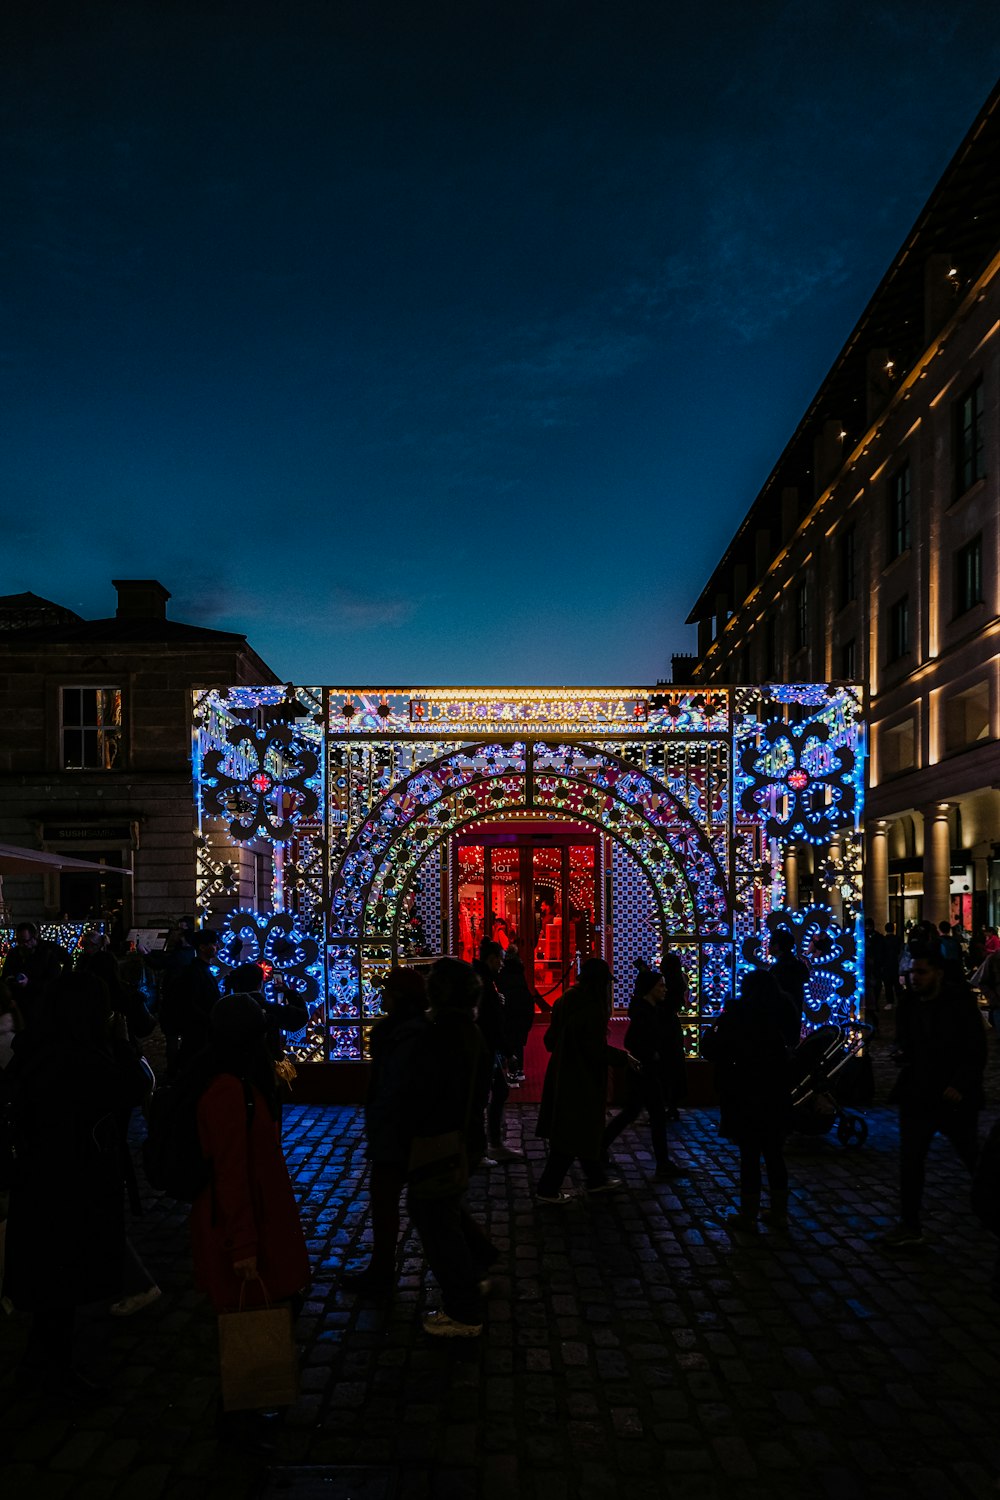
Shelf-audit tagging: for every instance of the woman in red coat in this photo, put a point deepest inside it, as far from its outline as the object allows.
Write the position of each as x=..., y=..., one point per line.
x=245, y=1231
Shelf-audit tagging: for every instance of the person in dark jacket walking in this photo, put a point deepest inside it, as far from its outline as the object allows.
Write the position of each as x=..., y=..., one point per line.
x=493, y=1023
x=519, y=1006
x=574, y=1094
x=450, y=1079
x=673, y=1061
x=649, y=1039
x=941, y=1045
x=404, y=1000
x=750, y=1045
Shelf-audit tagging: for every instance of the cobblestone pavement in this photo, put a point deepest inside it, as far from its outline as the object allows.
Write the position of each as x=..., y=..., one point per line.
x=632, y=1348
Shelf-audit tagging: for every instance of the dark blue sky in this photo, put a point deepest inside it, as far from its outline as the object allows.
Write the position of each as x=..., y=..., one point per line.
x=440, y=342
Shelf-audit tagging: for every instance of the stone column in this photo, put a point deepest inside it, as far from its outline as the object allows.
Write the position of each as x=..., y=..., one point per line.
x=877, y=875
x=792, y=877
x=937, y=863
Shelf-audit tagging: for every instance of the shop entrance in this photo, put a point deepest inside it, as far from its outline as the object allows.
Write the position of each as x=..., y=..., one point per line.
x=542, y=888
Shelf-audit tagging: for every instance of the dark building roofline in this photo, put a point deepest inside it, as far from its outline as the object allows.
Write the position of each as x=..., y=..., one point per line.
x=961, y=219
x=26, y=611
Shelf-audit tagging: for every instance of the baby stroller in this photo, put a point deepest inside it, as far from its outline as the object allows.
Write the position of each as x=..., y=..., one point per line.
x=830, y=1073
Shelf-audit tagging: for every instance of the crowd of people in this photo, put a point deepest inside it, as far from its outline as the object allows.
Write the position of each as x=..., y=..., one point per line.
x=444, y=1058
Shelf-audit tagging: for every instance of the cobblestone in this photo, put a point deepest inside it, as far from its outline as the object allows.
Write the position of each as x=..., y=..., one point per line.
x=633, y=1347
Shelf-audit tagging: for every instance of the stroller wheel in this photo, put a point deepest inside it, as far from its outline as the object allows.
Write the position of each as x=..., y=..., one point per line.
x=852, y=1132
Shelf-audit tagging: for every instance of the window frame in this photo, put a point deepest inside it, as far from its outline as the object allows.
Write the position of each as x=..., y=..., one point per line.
x=106, y=732
x=968, y=588
x=899, y=513
x=800, y=636
x=898, y=640
x=969, y=438
x=849, y=660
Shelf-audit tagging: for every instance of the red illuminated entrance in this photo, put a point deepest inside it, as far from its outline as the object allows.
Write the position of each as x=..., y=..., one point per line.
x=540, y=887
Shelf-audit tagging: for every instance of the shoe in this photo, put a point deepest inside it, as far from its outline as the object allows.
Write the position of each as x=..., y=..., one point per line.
x=440, y=1326
x=742, y=1223
x=506, y=1153
x=488, y=1161
x=903, y=1238
x=485, y=1287
x=673, y=1114
x=129, y=1305
x=669, y=1172
x=776, y=1216
x=560, y=1197
x=368, y=1283
x=607, y=1186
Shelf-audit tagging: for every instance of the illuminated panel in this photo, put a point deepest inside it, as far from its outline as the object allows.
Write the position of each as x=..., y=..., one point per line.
x=345, y=801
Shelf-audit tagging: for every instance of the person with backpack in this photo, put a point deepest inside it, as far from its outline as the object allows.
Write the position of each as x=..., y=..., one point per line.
x=751, y=1045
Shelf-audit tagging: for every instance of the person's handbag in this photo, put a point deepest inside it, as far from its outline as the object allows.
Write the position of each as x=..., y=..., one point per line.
x=258, y=1360
x=438, y=1165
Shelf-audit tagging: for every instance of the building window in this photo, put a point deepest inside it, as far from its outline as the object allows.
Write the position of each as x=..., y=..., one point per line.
x=967, y=718
x=848, y=565
x=969, y=575
x=897, y=749
x=849, y=661
x=91, y=728
x=899, y=628
x=770, y=648
x=970, y=456
x=801, y=616
x=899, y=512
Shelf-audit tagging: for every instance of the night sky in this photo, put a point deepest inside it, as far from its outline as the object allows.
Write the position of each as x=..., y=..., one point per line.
x=439, y=343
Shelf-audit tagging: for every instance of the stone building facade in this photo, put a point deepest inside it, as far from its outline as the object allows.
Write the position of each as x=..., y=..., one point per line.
x=872, y=554
x=95, y=752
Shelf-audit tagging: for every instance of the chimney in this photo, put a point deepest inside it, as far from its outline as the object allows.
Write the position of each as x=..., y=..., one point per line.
x=140, y=599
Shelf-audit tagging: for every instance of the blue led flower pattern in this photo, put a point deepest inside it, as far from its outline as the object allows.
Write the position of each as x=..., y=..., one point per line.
x=262, y=784
x=798, y=781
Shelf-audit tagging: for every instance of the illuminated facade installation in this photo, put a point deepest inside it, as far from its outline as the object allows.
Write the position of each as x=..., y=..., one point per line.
x=340, y=831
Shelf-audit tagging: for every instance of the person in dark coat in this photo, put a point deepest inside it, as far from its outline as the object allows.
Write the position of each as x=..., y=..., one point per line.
x=139, y=1287
x=941, y=1045
x=751, y=1045
x=649, y=1039
x=519, y=1006
x=289, y=1013
x=74, y=1075
x=404, y=1000
x=493, y=1023
x=574, y=1094
x=189, y=995
x=673, y=1061
x=449, y=1070
x=31, y=970
x=790, y=971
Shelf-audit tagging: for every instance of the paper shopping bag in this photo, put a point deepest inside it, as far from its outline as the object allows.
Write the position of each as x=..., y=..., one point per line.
x=258, y=1360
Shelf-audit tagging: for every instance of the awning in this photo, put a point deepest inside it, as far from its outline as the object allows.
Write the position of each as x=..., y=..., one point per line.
x=17, y=861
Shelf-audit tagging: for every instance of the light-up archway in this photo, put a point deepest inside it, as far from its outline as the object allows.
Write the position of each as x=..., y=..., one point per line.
x=343, y=796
